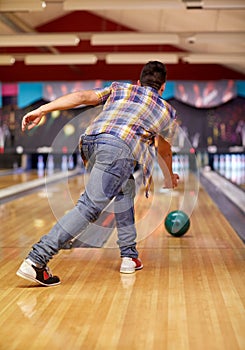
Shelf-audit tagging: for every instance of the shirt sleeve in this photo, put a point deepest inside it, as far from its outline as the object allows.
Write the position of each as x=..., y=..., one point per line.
x=169, y=124
x=103, y=93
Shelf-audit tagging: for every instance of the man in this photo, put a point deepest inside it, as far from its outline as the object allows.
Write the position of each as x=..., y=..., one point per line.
x=121, y=136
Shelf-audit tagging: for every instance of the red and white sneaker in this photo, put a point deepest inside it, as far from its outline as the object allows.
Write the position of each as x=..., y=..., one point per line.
x=130, y=265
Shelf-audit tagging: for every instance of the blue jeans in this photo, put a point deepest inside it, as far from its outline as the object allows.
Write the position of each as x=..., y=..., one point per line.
x=111, y=167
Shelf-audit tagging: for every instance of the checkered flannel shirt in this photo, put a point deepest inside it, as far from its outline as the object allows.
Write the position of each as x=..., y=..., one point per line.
x=135, y=114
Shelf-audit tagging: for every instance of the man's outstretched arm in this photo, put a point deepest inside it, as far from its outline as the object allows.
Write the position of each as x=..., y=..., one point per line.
x=75, y=99
x=165, y=159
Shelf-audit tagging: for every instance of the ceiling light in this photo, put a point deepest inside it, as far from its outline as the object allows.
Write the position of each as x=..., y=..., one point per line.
x=24, y=40
x=121, y=4
x=193, y=4
x=24, y=5
x=50, y=59
x=134, y=39
x=235, y=37
x=224, y=4
x=6, y=60
x=214, y=58
x=140, y=58
x=214, y=4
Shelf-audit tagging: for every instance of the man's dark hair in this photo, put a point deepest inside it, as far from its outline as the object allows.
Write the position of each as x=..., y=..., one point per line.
x=153, y=74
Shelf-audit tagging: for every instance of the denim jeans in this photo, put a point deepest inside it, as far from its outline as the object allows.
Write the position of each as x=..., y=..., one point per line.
x=111, y=167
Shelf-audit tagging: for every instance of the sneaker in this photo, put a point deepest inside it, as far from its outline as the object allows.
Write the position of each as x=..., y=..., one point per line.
x=129, y=265
x=41, y=275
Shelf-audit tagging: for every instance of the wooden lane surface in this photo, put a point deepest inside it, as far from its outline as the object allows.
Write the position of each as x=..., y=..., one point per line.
x=190, y=294
x=17, y=178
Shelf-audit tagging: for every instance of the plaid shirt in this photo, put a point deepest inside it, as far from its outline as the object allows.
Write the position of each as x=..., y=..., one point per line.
x=135, y=114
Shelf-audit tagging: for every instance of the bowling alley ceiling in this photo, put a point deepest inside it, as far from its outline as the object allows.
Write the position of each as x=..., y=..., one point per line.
x=112, y=39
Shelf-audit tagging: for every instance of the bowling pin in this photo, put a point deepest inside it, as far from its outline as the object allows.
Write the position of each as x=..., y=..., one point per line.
x=50, y=164
x=71, y=163
x=40, y=166
x=64, y=165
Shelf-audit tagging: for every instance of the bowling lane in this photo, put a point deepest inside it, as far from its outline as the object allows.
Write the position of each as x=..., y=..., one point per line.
x=31, y=215
x=231, y=166
x=15, y=177
x=191, y=288
x=57, y=198
x=44, y=166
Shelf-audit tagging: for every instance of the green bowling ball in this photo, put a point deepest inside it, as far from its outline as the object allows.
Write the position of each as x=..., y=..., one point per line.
x=177, y=223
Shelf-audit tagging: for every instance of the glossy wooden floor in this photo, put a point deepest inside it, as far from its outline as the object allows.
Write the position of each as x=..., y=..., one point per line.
x=190, y=294
x=17, y=177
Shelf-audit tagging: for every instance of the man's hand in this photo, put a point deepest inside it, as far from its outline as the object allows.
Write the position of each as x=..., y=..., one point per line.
x=31, y=119
x=171, y=181
x=175, y=178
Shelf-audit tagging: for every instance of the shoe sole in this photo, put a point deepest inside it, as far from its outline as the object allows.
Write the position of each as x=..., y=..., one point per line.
x=31, y=279
x=127, y=272
x=136, y=269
